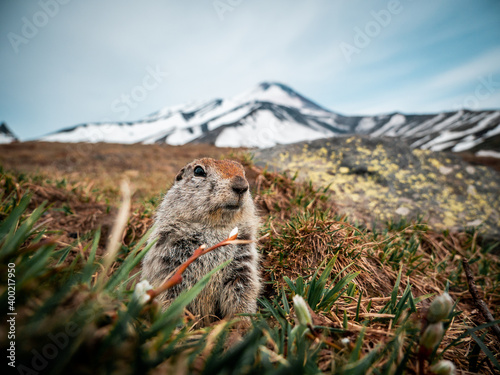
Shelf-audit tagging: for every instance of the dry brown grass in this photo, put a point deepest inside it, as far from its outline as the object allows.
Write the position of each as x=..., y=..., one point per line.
x=493, y=163
x=150, y=168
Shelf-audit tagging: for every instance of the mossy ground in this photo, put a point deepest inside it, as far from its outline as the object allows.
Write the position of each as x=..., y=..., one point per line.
x=378, y=180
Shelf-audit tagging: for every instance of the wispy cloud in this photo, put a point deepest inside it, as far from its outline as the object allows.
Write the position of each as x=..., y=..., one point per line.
x=444, y=90
x=93, y=52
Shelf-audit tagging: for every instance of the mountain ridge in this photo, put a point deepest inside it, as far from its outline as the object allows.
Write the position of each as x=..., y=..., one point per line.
x=273, y=113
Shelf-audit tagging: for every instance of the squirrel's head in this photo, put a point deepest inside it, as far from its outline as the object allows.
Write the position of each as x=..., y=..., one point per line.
x=213, y=190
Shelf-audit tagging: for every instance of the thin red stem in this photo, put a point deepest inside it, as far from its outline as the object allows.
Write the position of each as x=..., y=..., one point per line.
x=176, y=278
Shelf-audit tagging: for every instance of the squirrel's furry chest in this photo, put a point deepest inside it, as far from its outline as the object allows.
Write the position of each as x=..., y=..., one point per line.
x=208, y=199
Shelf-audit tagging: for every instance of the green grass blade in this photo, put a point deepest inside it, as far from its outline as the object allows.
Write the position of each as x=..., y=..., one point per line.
x=394, y=294
x=90, y=267
x=14, y=216
x=126, y=267
x=486, y=351
x=16, y=238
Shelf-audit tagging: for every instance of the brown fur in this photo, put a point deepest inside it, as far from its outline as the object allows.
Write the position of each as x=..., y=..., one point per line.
x=199, y=210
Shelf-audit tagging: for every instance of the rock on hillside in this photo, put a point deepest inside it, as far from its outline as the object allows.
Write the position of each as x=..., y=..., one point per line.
x=6, y=135
x=377, y=179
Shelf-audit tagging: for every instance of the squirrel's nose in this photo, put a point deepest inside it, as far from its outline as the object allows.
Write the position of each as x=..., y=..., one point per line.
x=240, y=186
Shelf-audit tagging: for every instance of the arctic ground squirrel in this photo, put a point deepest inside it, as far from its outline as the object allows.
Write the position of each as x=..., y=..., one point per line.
x=207, y=200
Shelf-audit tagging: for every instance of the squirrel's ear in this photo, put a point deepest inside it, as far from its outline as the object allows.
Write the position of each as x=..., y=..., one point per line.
x=179, y=175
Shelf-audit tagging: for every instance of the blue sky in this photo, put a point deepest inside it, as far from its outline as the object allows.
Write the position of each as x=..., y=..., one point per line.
x=68, y=62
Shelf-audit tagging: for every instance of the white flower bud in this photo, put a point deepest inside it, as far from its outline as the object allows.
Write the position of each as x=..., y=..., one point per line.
x=140, y=292
x=440, y=308
x=234, y=232
x=443, y=367
x=432, y=336
x=302, y=311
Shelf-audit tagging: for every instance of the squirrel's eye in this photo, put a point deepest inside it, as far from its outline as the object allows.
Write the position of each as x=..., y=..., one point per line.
x=200, y=172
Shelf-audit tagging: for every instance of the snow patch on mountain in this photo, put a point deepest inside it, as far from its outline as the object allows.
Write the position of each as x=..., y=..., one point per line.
x=365, y=125
x=488, y=153
x=6, y=135
x=5, y=139
x=390, y=128
x=272, y=113
x=262, y=130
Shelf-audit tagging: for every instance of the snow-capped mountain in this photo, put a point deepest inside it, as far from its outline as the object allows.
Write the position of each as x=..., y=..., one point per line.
x=474, y=131
x=6, y=135
x=273, y=113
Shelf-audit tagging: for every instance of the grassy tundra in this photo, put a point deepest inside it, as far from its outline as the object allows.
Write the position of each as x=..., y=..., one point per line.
x=338, y=298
